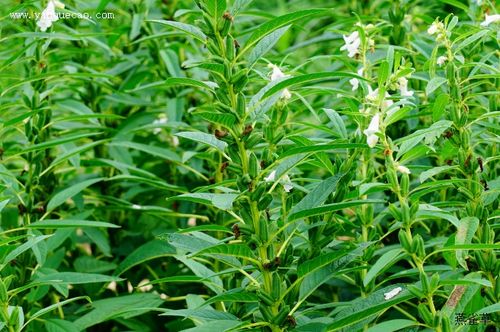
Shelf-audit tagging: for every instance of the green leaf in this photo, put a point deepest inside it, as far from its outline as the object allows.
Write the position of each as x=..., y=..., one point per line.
x=122, y=306
x=319, y=270
x=321, y=148
x=318, y=195
x=59, y=325
x=227, y=120
x=243, y=297
x=439, y=106
x=266, y=44
x=361, y=308
x=465, y=232
x=175, y=82
x=51, y=307
x=76, y=278
x=220, y=201
x=384, y=262
x=435, y=171
x=392, y=325
x=239, y=5
x=470, y=40
x=490, y=309
x=219, y=325
x=30, y=243
x=206, y=228
x=306, y=78
x=151, y=250
x=203, y=138
x=233, y=250
x=429, y=134
x=276, y=23
x=61, y=197
x=184, y=27
x=330, y=208
x=150, y=149
x=215, y=8
x=69, y=223
x=337, y=122
x=434, y=83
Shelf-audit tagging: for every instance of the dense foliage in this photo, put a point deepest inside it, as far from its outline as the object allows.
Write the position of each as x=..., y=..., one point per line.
x=213, y=165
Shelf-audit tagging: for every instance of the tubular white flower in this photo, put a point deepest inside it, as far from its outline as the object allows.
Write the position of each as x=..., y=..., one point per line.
x=270, y=177
x=435, y=27
x=372, y=130
x=489, y=19
x=284, y=181
x=47, y=17
x=392, y=293
x=441, y=60
x=352, y=43
x=277, y=74
x=143, y=286
x=372, y=95
x=354, y=81
x=403, y=169
x=403, y=87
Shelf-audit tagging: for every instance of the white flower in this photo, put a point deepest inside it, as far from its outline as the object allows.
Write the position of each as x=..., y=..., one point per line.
x=372, y=95
x=285, y=181
x=162, y=119
x=276, y=75
x=435, y=27
x=488, y=19
x=352, y=43
x=441, y=60
x=403, y=87
x=354, y=81
x=372, y=130
x=392, y=293
x=112, y=286
x=47, y=17
x=403, y=169
x=191, y=222
x=143, y=286
x=270, y=177
x=175, y=141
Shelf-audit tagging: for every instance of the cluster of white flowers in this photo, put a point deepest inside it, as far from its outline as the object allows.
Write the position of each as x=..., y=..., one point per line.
x=352, y=43
x=285, y=181
x=49, y=15
x=441, y=60
x=276, y=75
x=489, y=19
x=162, y=119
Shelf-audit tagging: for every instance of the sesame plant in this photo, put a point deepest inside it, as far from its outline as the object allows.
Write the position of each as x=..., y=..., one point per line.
x=237, y=165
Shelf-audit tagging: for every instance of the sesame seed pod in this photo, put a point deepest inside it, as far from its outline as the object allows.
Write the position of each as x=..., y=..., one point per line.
x=265, y=201
x=266, y=313
x=405, y=184
x=281, y=316
x=253, y=166
x=425, y=313
x=225, y=26
x=3, y=293
x=276, y=291
x=425, y=283
x=404, y=240
x=265, y=298
x=240, y=105
x=263, y=231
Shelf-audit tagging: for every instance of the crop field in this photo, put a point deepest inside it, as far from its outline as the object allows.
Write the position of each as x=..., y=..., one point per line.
x=249, y=165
